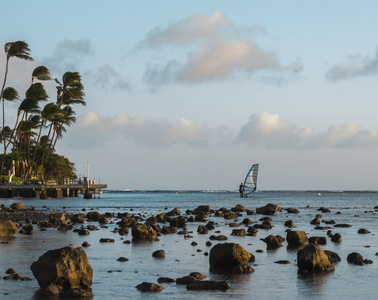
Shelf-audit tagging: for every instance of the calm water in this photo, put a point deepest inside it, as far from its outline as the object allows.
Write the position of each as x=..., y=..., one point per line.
x=270, y=280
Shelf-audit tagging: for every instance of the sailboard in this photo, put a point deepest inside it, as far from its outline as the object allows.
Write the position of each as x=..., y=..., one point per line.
x=250, y=182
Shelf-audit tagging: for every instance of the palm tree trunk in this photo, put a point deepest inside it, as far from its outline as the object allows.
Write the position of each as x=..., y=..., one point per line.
x=1, y=98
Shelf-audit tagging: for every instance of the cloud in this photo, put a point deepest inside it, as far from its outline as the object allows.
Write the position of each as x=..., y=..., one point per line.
x=268, y=130
x=106, y=77
x=145, y=130
x=217, y=51
x=356, y=65
x=69, y=54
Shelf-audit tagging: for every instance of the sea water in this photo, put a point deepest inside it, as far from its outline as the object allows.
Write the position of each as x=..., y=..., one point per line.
x=117, y=280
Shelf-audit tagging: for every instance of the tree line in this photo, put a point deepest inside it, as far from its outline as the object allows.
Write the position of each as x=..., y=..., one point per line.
x=39, y=124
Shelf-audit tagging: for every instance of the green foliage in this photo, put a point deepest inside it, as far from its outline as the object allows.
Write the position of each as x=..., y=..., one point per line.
x=59, y=167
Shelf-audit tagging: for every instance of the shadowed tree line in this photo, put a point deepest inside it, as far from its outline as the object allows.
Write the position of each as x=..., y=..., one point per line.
x=31, y=140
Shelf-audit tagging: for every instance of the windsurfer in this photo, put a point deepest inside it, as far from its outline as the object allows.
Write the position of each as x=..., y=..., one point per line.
x=241, y=191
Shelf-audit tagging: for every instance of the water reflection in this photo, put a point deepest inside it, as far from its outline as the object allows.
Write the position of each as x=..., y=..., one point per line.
x=312, y=283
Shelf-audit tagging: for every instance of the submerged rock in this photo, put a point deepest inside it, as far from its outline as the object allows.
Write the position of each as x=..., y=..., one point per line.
x=269, y=209
x=208, y=285
x=149, y=287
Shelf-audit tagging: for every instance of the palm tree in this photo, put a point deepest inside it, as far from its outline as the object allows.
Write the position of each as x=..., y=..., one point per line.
x=17, y=49
x=71, y=90
x=9, y=94
x=41, y=73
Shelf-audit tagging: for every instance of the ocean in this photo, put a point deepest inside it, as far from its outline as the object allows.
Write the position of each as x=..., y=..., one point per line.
x=117, y=280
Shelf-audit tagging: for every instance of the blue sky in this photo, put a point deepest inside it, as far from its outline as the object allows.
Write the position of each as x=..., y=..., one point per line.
x=189, y=94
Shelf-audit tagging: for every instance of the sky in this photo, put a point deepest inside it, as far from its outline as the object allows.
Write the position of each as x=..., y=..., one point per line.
x=189, y=94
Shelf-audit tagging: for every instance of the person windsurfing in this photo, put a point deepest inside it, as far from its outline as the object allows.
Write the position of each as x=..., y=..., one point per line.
x=241, y=191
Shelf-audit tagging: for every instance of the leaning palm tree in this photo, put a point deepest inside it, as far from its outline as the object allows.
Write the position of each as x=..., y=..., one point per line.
x=17, y=49
x=71, y=90
x=41, y=73
x=9, y=94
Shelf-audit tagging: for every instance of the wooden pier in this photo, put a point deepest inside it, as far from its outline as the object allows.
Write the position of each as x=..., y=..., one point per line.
x=45, y=191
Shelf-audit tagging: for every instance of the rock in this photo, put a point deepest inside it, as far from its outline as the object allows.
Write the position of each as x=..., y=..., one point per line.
x=122, y=259
x=14, y=276
x=312, y=258
x=272, y=242
x=57, y=219
x=333, y=256
x=320, y=240
x=63, y=269
x=230, y=216
x=336, y=238
x=292, y=210
x=186, y=279
x=165, y=279
x=355, y=258
x=10, y=271
x=239, y=232
x=103, y=220
x=143, y=232
x=173, y=212
x=27, y=229
x=159, y=254
x=242, y=270
x=7, y=228
x=296, y=238
x=252, y=231
x=149, y=287
x=238, y=208
x=202, y=229
x=168, y=230
x=219, y=237
x=227, y=256
x=93, y=216
x=18, y=206
x=247, y=221
x=363, y=231
x=269, y=209
x=289, y=223
x=343, y=225
x=83, y=232
x=179, y=222
x=106, y=240
x=315, y=221
x=208, y=285
x=85, y=244
x=123, y=231
x=282, y=262
x=204, y=208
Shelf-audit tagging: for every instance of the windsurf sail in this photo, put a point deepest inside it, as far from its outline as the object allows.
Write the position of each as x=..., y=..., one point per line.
x=250, y=182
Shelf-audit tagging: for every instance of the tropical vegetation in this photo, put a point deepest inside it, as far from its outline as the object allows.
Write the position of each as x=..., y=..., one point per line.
x=29, y=144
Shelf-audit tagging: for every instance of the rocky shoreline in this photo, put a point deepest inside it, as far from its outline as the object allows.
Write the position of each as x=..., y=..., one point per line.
x=224, y=257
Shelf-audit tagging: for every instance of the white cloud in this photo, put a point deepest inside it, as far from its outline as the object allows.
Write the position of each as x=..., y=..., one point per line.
x=268, y=130
x=355, y=65
x=144, y=130
x=106, y=77
x=219, y=52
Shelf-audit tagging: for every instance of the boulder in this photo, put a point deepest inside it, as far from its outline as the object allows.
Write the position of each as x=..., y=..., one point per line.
x=291, y=210
x=57, y=219
x=64, y=269
x=312, y=258
x=93, y=216
x=272, y=242
x=239, y=232
x=238, y=208
x=204, y=208
x=296, y=238
x=202, y=229
x=159, y=254
x=227, y=256
x=336, y=238
x=124, y=230
x=149, y=287
x=269, y=209
x=333, y=256
x=363, y=231
x=355, y=258
x=7, y=228
x=321, y=240
x=289, y=223
x=242, y=270
x=141, y=232
x=18, y=206
x=78, y=218
x=27, y=229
